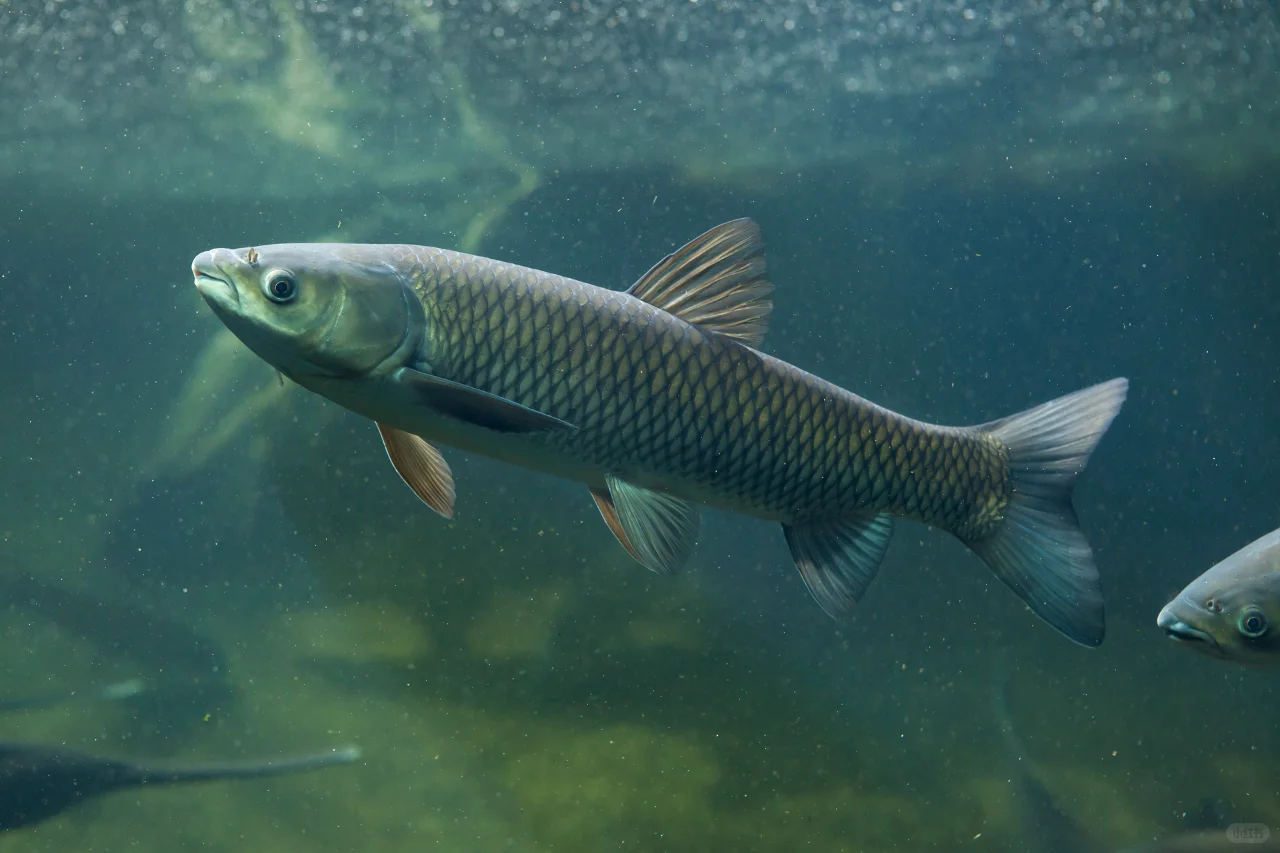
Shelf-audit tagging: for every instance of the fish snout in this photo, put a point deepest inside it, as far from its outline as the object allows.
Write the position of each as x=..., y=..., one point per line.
x=215, y=262
x=214, y=284
x=1179, y=629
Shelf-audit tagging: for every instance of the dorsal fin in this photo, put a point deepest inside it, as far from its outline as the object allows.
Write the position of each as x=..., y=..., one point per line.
x=715, y=282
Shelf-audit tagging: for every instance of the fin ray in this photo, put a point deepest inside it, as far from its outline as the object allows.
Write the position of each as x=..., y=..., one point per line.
x=604, y=503
x=715, y=282
x=660, y=527
x=839, y=559
x=421, y=467
x=1039, y=550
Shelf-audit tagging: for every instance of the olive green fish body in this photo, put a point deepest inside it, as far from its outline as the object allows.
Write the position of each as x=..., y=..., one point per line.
x=659, y=399
x=659, y=402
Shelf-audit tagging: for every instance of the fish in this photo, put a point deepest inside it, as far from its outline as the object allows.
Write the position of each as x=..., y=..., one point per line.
x=1045, y=826
x=38, y=782
x=155, y=640
x=185, y=672
x=1232, y=611
x=659, y=399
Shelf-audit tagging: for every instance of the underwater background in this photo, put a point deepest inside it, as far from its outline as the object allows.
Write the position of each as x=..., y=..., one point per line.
x=968, y=208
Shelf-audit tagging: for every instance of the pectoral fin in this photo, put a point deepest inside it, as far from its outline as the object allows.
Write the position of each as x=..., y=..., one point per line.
x=421, y=467
x=656, y=528
x=475, y=406
x=838, y=559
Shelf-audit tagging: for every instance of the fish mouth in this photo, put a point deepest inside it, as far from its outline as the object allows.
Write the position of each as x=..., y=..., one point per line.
x=1179, y=630
x=217, y=290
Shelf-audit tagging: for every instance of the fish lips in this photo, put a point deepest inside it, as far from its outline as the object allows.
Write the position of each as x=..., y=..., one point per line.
x=1182, y=631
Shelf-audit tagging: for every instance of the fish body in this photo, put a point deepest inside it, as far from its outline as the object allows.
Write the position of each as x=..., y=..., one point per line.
x=1232, y=611
x=39, y=782
x=659, y=399
x=661, y=404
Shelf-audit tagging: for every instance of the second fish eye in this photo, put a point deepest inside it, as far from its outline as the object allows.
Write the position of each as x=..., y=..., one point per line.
x=281, y=287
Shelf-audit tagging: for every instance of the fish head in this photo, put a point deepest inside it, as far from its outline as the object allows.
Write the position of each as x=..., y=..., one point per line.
x=331, y=310
x=1232, y=611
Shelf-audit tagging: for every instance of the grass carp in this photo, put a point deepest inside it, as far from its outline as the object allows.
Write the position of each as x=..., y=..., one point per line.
x=659, y=399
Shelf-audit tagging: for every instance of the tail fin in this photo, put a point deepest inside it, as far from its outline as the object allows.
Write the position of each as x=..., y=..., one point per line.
x=1046, y=827
x=1039, y=550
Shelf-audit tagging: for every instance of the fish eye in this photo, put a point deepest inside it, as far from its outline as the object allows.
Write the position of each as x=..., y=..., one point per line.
x=1253, y=622
x=280, y=286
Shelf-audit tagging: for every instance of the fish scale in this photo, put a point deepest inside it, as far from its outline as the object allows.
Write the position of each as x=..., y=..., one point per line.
x=784, y=445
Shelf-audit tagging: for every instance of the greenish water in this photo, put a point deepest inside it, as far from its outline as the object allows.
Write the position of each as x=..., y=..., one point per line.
x=514, y=680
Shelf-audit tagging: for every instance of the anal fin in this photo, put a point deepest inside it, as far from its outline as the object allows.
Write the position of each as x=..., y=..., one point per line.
x=421, y=467
x=656, y=528
x=838, y=559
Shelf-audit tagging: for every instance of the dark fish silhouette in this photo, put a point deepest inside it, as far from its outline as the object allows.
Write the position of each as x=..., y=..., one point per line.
x=1048, y=828
x=186, y=671
x=152, y=639
x=37, y=783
